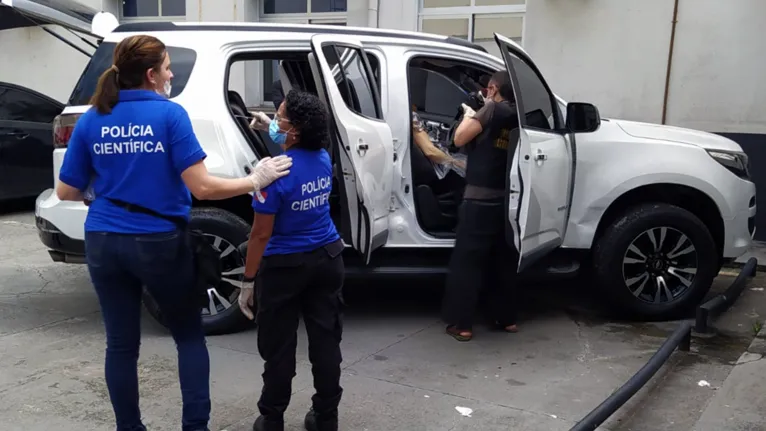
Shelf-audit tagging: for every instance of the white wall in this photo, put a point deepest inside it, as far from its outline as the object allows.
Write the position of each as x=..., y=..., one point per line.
x=718, y=78
x=606, y=52
x=398, y=14
x=614, y=54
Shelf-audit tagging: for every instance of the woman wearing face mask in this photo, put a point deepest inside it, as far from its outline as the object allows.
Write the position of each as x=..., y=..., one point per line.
x=138, y=151
x=296, y=253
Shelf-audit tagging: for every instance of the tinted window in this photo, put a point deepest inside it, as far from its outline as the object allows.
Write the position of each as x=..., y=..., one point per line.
x=354, y=80
x=534, y=96
x=20, y=105
x=134, y=8
x=327, y=5
x=434, y=93
x=285, y=6
x=181, y=63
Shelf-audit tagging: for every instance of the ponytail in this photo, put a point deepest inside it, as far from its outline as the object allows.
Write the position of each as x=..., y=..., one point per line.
x=134, y=55
x=107, y=91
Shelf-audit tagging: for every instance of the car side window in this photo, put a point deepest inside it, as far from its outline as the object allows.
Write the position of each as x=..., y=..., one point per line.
x=539, y=107
x=354, y=80
x=19, y=105
x=443, y=96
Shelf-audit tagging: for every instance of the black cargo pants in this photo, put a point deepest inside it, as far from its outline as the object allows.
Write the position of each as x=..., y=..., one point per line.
x=481, y=262
x=288, y=286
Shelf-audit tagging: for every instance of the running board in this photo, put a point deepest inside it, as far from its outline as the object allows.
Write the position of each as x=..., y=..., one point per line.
x=394, y=270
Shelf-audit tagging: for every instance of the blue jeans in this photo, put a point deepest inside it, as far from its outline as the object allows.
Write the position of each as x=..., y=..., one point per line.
x=119, y=266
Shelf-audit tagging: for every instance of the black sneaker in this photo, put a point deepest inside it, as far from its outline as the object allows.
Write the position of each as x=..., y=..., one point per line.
x=311, y=421
x=260, y=424
x=312, y=424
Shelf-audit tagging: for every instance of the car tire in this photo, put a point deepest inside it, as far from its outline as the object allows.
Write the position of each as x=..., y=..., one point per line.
x=223, y=229
x=651, y=248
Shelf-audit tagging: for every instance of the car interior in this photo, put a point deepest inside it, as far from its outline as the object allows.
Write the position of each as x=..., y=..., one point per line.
x=437, y=88
x=294, y=73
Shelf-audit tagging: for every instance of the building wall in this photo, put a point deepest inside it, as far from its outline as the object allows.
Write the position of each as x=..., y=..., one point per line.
x=615, y=55
x=609, y=53
x=398, y=14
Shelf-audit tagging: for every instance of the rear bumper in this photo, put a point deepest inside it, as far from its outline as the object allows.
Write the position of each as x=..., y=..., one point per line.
x=54, y=239
x=60, y=226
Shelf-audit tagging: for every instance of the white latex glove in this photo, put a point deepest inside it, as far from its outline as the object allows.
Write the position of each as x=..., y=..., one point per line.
x=260, y=121
x=468, y=112
x=245, y=300
x=270, y=169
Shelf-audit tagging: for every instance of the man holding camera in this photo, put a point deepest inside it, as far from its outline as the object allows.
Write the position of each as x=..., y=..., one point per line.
x=481, y=256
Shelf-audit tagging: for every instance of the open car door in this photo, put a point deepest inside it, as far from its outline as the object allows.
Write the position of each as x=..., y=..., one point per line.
x=69, y=14
x=541, y=172
x=363, y=150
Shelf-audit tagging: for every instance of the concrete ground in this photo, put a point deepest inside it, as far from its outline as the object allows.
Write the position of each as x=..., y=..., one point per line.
x=400, y=371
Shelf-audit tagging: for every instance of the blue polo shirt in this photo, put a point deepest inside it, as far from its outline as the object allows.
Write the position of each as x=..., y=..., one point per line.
x=135, y=154
x=300, y=203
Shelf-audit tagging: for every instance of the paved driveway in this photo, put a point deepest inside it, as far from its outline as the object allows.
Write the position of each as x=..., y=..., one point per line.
x=401, y=371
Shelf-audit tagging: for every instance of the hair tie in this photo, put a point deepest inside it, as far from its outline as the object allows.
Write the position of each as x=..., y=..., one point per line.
x=115, y=68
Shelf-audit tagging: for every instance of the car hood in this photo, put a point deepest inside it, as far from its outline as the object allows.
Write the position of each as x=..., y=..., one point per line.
x=708, y=141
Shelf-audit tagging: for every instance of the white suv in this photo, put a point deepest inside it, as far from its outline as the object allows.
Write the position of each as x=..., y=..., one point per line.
x=653, y=211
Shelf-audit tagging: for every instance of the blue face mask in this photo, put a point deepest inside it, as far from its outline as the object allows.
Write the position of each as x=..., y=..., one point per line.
x=279, y=137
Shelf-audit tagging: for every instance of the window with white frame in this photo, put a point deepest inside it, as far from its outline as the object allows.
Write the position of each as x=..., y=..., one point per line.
x=474, y=20
x=153, y=9
x=303, y=8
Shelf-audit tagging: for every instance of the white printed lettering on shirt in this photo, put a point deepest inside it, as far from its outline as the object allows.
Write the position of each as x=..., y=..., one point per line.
x=310, y=203
x=129, y=131
x=129, y=147
x=320, y=188
x=134, y=132
x=321, y=183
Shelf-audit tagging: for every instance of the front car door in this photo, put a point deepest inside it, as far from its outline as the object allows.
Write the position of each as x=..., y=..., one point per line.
x=541, y=172
x=364, y=151
x=26, y=141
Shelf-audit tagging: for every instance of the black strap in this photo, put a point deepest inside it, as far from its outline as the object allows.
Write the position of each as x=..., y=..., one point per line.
x=178, y=221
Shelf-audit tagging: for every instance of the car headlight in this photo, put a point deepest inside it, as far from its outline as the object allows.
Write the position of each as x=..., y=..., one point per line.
x=737, y=163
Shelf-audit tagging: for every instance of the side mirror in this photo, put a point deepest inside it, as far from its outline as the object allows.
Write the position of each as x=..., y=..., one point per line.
x=582, y=117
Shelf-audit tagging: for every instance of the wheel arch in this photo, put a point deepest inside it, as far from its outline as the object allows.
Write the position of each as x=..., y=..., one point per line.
x=241, y=206
x=689, y=198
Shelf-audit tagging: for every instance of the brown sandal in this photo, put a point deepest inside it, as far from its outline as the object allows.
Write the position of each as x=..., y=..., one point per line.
x=458, y=334
x=511, y=329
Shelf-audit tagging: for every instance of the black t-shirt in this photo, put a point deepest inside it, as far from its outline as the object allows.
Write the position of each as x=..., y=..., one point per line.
x=488, y=153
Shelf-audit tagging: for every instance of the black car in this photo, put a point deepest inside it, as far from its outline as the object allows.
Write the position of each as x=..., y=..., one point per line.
x=26, y=141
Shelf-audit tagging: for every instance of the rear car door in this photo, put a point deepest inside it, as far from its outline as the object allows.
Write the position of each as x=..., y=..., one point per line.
x=541, y=172
x=26, y=141
x=364, y=152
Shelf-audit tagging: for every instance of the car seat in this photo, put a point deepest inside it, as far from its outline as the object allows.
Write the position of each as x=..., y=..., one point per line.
x=243, y=117
x=435, y=207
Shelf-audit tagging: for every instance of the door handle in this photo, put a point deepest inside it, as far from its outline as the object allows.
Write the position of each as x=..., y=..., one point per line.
x=540, y=156
x=362, y=148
